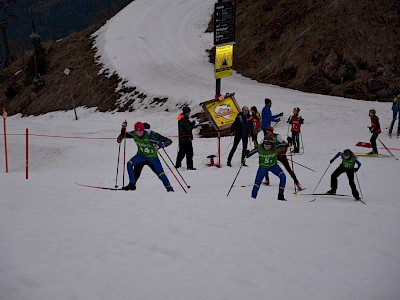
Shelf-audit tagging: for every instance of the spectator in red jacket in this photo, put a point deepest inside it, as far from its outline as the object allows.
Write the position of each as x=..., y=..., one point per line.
x=375, y=129
x=296, y=121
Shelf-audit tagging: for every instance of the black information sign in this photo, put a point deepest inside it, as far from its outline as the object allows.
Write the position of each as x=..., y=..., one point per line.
x=224, y=23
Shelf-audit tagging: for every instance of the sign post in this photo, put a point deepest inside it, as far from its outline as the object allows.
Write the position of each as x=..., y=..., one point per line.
x=224, y=34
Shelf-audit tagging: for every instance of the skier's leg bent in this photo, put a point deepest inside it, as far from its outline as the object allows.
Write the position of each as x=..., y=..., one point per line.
x=259, y=177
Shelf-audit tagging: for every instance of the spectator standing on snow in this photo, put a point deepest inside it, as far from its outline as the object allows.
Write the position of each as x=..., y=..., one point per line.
x=268, y=162
x=255, y=121
x=148, y=144
x=396, y=111
x=267, y=117
x=296, y=121
x=240, y=129
x=349, y=160
x=375, y=129
x=185, y=127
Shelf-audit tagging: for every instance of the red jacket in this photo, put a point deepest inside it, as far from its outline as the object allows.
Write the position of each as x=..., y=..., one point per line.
x=375, y=126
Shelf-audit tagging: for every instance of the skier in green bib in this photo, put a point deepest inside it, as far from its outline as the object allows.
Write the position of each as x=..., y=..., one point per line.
x=349, y=160
x=268, y=161
x=148, y=144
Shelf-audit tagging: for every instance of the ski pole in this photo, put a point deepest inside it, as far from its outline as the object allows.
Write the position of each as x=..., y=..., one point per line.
x=188, y=186
x=387, y=149
x=172, y=172
x=303, y=166
x=123, y=129
x=241, y=165
x=116, y=177
x=123, y=174
x=321, y=178
x=301, y=139
x=295, y=187
x=359, y=186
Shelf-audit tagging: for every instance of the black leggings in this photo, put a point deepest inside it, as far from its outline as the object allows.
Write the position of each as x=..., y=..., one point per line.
x=350, y=175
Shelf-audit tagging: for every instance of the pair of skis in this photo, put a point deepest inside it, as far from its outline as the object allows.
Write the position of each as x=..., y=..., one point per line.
x=100, y=187
x=332, y=195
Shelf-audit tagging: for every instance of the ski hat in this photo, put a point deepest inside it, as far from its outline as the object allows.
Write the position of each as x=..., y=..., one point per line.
x=253, y=108
x=270, y=128
x=347, y=153
x=268, y=141
x=139, y=126
x=185, y=110
x=267, y=101
x=372, y=111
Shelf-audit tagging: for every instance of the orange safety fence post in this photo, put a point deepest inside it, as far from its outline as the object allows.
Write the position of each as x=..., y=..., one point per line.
x=5, y=136
x=27, y=155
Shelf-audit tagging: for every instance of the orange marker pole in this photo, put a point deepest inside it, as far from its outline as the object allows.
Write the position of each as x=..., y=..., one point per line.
x=27, y=155
x=5, y=137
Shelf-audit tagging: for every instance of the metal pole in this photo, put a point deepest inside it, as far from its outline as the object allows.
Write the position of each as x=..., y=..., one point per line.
x=218, y=86
x=241, y=165
x=321, y=178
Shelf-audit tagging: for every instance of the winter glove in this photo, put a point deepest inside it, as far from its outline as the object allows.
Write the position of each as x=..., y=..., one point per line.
x=159, y=145
x=120, y=138
x=124, y=124
x=196, y=123
x=370, y=129
x=281, y=114
x=356, y=170
x=278, y=120
x=332, y=160
x=288, y=120
x=146, y=125
x=246, y=152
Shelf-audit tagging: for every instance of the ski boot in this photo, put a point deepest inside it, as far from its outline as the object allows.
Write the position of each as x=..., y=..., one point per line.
x=331, y=192
x=281, y=197
x=129, y=187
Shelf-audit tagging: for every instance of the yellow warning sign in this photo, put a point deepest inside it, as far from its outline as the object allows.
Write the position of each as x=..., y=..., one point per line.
x=221, y=112
x=223, y=61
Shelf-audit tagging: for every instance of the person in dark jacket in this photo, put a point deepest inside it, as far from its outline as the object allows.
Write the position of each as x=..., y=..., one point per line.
x=241, y=129
x=375, y=129
x=185, y=127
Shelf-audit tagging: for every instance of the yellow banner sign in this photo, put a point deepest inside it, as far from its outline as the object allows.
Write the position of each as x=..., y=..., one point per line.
x=223, y=61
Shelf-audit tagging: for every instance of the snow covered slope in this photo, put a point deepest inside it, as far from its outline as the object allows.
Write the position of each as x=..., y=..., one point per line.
x=62, y=241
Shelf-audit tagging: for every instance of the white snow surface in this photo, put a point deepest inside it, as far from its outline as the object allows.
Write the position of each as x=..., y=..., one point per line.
x=62, y=241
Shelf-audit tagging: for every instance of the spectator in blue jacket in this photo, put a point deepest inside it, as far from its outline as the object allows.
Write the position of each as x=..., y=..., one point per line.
x=267, y=117
x=396, y=111
x=241, y=129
